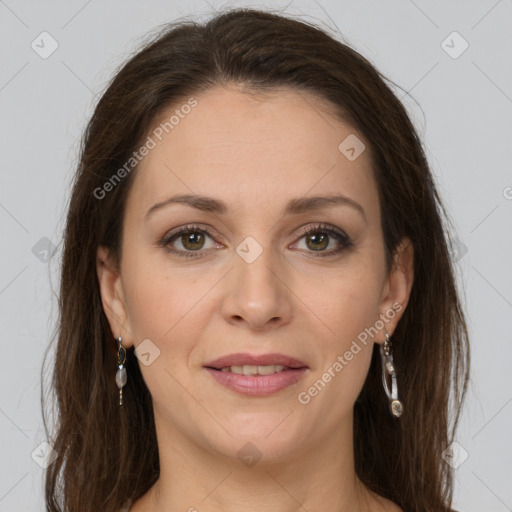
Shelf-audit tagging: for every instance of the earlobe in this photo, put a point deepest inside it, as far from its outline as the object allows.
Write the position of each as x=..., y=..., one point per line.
x=112, y=296
x=398, y=286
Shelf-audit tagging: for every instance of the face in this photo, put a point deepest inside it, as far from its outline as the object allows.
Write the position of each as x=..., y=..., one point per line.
x=237, y=272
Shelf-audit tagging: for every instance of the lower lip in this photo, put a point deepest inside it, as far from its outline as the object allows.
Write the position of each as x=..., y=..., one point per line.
x=258, y=385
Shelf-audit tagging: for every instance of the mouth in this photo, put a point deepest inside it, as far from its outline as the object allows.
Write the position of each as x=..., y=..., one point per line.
x=250, y=361
x=256, y=375
x=249, y=369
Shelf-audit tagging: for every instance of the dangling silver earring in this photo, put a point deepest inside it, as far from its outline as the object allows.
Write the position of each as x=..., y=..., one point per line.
x=388, y=368
x=121, y=376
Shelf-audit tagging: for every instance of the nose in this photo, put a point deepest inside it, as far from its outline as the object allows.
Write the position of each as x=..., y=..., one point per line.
x=257, y=294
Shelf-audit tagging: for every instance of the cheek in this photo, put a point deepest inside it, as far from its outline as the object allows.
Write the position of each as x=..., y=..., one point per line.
x=153, y=305
x=348, y=306
x=164, y=304
x=347, y=302
x=348, y=311
x=333, y=388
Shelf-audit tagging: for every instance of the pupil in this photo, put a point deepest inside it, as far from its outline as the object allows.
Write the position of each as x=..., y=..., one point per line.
x=317, y=238
x=192, y=238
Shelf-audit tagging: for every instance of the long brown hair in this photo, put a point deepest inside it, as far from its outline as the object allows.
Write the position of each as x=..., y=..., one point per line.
x=107, y=455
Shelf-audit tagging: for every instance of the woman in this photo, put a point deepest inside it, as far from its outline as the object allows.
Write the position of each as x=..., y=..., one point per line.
x=258, y=308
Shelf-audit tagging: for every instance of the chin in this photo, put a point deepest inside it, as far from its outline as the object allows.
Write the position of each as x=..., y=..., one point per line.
x=256, y=442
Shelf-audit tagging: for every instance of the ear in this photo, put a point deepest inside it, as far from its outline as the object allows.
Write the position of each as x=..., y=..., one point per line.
x=112, y=297
x=397, y=290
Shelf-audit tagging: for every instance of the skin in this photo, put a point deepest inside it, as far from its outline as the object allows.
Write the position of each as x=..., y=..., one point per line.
x=255, y=153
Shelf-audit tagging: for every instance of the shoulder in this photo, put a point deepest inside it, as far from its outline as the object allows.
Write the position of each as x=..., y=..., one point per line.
x=388, y=506
x=126, y=507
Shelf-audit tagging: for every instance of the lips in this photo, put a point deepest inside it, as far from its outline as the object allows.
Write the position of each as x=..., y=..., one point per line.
x=256, y=376
x=242, y=359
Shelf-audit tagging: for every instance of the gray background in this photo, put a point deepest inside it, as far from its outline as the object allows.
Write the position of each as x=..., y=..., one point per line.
x=463, y=113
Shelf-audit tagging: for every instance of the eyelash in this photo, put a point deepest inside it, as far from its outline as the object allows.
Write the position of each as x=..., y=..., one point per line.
x=340, y=236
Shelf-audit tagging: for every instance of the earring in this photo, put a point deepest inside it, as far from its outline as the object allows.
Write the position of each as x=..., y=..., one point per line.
x=121, y=376
x=395, y=405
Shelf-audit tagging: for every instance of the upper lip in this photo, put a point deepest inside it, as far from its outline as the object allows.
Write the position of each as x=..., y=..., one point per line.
x=260, y=360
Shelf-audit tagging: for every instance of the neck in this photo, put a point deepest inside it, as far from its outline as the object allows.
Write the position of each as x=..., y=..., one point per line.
x=320, y=477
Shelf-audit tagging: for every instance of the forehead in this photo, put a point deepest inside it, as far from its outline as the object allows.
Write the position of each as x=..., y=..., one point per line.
x=252, y=151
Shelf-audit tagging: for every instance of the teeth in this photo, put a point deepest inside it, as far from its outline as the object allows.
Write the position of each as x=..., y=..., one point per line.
x=249, y=369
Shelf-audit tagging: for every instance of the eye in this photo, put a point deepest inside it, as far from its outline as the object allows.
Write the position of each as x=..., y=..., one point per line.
x=320, y=237
x=188, y=241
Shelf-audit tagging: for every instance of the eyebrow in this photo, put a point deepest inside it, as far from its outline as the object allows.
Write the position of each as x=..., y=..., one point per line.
x=295, y=206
